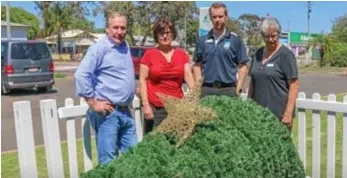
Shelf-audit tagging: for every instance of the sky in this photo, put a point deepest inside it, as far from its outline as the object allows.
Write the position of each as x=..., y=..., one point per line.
x=291, y=14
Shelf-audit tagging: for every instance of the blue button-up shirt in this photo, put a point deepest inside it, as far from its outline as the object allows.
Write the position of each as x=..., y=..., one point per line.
x=107, y=73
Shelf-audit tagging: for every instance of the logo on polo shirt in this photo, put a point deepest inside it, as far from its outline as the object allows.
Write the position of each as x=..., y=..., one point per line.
x=227, y=44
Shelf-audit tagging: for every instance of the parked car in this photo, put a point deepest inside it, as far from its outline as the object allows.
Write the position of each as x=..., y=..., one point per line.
x=137, y=53
x=26, y=64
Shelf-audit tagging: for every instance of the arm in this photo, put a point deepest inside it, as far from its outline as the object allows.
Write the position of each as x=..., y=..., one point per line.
x=188, y=76
x=243, y=71
x=242, y=60
x=147, y=110
x=143, y=86
x=85, y=74
x=197, y=72
x=197, y=58
x=290, y=72
x=293, y=93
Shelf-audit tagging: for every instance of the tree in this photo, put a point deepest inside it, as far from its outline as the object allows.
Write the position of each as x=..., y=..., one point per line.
x=250, y=29
x=233, y=25
x=19, y=15
x=339, y=29
x=144, y=13
x=59, y=16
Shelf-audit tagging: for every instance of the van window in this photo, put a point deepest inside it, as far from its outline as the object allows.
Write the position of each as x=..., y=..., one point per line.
x=33, y=51
x=3, y=49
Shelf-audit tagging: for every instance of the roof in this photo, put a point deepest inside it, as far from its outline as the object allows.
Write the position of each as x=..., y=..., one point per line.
x=67, y=34
x=4, y=23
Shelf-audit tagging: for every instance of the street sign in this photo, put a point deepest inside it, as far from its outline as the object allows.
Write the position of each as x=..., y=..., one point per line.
x=205, y=23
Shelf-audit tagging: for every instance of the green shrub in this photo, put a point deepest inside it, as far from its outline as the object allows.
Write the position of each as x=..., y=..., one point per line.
x=245, y=141
x=337, y=56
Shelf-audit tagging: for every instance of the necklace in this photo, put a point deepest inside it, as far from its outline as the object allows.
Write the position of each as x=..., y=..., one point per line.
x=267, y=56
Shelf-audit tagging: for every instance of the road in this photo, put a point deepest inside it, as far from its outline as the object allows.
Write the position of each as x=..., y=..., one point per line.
x=65, y=88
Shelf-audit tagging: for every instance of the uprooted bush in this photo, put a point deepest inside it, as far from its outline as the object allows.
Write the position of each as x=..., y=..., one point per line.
x=245, y=141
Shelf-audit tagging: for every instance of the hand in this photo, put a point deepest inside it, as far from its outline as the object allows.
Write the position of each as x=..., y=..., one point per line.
x=102, y=106
x=238, y=91
x=148, y=112
x=287, y=120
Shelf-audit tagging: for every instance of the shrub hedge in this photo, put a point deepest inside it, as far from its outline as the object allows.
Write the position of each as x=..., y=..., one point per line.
x=245, y=141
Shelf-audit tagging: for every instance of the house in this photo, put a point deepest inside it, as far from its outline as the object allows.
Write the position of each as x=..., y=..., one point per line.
x=18, y=31
x=78, y=41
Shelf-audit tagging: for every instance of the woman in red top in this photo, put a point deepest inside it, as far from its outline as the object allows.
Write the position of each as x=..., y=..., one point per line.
x=162, y=70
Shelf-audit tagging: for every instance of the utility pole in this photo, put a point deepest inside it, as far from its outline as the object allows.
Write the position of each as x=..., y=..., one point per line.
x=8, y=20
x=308, y=19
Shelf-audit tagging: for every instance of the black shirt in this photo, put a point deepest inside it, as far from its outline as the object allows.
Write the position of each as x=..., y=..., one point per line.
x=219, y=62
x=271, y=80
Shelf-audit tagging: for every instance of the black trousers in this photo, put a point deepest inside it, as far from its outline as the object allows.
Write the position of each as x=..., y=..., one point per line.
x=159, y=115
x=227, y=91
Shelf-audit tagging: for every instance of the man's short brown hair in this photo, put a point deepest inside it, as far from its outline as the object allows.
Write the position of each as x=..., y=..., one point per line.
x=218, y=5
x=113, y=14
x=159, y=27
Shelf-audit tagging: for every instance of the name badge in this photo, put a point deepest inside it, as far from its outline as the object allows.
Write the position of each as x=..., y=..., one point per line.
x=227, y=45
x=209, y=41
x=270, y=65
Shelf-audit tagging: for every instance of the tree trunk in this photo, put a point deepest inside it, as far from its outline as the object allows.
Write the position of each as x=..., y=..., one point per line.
x=59, y=41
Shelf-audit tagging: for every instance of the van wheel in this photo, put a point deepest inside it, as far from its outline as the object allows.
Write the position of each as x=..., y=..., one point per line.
x=44, y=89
x=4, y=90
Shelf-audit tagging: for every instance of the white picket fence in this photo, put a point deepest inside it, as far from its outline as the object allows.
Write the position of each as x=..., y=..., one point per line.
x=50, y=115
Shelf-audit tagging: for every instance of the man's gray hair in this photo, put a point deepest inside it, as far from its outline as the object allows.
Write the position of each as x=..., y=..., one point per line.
x=267, y=23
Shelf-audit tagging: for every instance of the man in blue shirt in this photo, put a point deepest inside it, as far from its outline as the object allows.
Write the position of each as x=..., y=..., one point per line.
x=219, y=57
x=106, y=79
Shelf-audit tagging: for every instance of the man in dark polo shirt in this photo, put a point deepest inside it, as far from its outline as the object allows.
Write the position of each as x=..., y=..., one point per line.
x=219, y=57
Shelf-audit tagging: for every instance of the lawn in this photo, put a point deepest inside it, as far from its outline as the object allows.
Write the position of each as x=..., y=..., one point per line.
x=321, y=70
x=10, y=169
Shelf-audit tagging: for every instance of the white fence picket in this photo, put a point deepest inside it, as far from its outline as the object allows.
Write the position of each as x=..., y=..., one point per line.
x=87, y=149
x=25, y=139
x=302, y=129
x=51, y=136
x=344, y=142
x=71, y=142
x=331, y=140
x=316, y=138
x=136, y=105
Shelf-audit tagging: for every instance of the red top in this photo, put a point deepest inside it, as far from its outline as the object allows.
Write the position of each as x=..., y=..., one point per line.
x=164, y=77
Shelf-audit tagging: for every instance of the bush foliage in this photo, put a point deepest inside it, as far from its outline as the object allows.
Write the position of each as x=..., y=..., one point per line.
x=245, y=141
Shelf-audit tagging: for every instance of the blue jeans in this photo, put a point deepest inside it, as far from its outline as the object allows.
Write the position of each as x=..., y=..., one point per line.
x=113, y=131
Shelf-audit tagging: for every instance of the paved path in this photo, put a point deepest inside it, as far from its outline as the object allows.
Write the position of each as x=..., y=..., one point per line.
x=65, y=88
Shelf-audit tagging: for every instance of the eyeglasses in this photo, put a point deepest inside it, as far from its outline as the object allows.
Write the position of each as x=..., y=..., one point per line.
x=166, y=33
x=270, y=36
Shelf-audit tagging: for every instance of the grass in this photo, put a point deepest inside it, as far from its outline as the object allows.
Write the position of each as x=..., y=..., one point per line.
x=317, y=69
x=323, y=158
x=59, y=75
x=10, y=168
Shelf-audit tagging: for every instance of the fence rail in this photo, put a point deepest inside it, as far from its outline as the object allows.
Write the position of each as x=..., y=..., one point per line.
x=72, y=113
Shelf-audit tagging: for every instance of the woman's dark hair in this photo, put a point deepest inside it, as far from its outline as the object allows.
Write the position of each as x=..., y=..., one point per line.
x=159, y=27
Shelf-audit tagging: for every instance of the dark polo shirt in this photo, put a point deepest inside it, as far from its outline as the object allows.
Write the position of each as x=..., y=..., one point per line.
x=219, y=62
x=271, y=80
